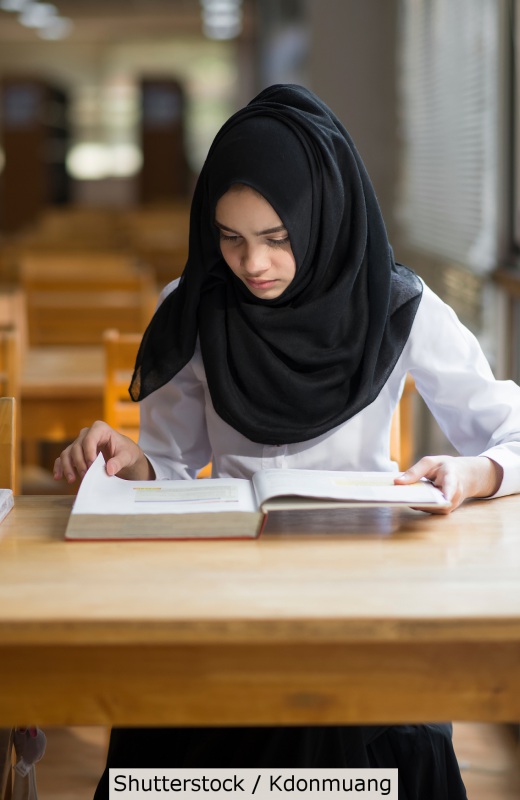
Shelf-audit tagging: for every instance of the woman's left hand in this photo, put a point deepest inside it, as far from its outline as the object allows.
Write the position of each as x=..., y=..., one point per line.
x=458, y=477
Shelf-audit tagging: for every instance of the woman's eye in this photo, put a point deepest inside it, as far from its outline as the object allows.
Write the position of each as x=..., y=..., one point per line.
x=224, y=237
x=278, y=242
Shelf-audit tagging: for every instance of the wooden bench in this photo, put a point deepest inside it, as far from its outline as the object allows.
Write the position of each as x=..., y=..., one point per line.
x=90, y=226
x=72, y=299
x=159, y=237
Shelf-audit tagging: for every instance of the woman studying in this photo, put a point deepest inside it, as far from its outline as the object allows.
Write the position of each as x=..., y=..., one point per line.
x=286, y=344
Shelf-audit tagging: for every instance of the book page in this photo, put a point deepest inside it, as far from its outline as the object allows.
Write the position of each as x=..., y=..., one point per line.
x=6, y=502
x=100, y=493
x=364, y=487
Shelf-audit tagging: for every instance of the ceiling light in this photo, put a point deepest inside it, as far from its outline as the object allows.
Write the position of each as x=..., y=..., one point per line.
x=13, y=5
x=125, y=160
x=37, y=15
x=56, y=28
x=88, y=161
x=222, y=32
x=230, y=17
x=220, y=5
x=221, y=19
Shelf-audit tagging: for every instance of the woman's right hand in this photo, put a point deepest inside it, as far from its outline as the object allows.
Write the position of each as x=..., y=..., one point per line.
x=122, y=455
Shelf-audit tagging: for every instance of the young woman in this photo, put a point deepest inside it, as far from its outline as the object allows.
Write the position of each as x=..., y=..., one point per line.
x=286, y=344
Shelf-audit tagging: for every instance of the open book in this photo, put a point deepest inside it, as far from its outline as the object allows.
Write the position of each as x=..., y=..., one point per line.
x=225, y=508
x=6, y=502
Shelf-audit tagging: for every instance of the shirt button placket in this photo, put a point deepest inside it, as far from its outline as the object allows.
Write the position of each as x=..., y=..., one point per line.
x=274, y=456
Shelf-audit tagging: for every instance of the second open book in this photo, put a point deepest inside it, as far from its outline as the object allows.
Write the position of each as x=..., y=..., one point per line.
x=227, y=508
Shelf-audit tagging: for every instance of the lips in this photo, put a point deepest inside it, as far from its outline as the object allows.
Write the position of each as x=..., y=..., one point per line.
x=260, y=284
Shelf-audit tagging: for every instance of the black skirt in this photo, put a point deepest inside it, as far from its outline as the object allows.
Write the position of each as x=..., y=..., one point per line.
x=422, y=754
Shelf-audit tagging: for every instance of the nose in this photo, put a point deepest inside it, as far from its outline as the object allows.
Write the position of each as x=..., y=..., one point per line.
x=253, y=261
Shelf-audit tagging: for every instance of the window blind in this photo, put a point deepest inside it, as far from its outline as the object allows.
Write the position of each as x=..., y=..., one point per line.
x=449, y=69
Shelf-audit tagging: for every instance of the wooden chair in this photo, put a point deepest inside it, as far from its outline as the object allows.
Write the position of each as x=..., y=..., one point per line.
x=8, y=444
x=401, y=434
x=159, y=237
x=13, y=339
x=9, y=396
x=10, y=363
x=120, y=412
x=89, y=226
x=72, y=300
x=13, y=314
x=74, y=264
x=123, y=415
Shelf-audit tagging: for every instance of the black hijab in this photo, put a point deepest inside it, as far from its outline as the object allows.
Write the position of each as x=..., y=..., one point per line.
x=292, y=368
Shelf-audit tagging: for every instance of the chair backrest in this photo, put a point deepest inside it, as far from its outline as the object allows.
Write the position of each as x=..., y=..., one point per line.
x=10, y=371
x=395, y=437
x=13, y=314
x=160, y=238
x=88, y=226
x=10, y=363
x=120, y=412
x=8, y=444
x=402, y=449
x=74, y=266
x=73, y=299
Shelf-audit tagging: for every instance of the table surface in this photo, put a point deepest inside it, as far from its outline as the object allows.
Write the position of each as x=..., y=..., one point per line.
x=368, y=615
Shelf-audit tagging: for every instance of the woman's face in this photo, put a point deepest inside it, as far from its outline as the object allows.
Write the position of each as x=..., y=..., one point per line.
x=254, y=242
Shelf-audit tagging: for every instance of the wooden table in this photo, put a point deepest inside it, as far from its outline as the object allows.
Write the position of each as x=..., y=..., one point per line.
x=368, y=616
x=61, y=392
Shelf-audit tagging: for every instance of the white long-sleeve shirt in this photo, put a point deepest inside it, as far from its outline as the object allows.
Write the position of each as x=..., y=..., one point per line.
x=181, y=432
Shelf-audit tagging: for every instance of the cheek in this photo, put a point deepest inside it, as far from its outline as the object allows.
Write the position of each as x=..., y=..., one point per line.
x=290, y=267
x=229, y=254
x=224, y=250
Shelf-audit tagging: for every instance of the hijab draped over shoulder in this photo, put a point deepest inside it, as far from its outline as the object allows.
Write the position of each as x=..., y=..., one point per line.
x=292, y=368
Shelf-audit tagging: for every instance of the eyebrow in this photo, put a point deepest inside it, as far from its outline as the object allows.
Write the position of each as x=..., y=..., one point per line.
x=277, y=229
